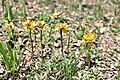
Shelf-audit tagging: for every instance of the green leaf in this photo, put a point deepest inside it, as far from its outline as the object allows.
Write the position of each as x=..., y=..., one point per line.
x=116, y=28
x=4, y=55
x=42, y=16
x=29, y=78
x=80, y=33
x=9, y=35
x=95, y=71
x=118, y=77
x=8, y=57
x=37, y=76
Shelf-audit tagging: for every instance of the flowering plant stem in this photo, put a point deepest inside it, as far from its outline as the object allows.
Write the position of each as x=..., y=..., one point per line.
x=13, y=35
x=50, y=31
x=31, y=41
x=61, y=42
x=35, y=36
x=41, y=42
x=88, y=57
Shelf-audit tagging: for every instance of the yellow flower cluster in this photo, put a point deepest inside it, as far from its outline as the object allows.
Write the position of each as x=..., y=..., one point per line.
x=31, y=24
x=63, y=26
x=9, y=25
x=88, y=38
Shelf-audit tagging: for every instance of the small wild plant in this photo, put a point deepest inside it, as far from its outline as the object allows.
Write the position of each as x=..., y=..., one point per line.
x=29, y=25
x=88, y=39
x=9, y=57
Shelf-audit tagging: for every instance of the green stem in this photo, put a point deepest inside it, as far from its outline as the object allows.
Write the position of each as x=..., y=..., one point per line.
x=13, y=35
x=3, y=4
x=88, y=58
x=61, y=42
x=31, y=41
x=80, y=51
x=24, y=8
x=51, y=27
x=50, y=31
x=9, y=12
x=35, y=38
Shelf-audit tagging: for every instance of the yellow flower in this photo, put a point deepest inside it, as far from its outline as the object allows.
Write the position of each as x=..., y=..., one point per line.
x=9, y=25
x=28, y=24
x=63, y=26
x=34, y=22
x=41, y=24
x=54, y=15
x=88, y=38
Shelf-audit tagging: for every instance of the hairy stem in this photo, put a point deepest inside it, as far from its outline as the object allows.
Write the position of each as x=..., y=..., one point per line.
x=88, y=58
x=31, y=41
x=61, y=42
x=41, y=42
